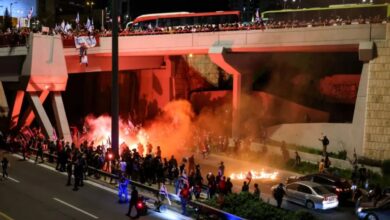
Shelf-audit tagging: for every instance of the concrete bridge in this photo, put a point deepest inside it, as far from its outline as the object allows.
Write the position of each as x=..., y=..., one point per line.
x=43, y=67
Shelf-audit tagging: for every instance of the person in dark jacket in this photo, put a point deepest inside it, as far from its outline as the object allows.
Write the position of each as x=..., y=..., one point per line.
x=278, y=194
x=133, y=201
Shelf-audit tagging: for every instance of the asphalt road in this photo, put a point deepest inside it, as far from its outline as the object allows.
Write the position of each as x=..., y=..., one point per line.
x=233, y=165
x=36, y=192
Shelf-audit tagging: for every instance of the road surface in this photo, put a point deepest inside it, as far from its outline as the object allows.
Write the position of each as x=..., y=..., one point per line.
x=37, y=192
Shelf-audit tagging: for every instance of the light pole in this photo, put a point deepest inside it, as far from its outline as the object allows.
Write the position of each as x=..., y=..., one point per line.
x=90, y=4
x=115, y=89
x=10, y=7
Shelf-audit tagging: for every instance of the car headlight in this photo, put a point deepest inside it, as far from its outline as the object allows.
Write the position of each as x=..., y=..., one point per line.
x=359, y=209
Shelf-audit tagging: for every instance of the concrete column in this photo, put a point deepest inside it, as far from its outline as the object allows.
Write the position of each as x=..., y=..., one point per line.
x=358, y=122
x=216, y=54
x=40, y=112
x=60, y=116
x=28, y=116
x=16, y=108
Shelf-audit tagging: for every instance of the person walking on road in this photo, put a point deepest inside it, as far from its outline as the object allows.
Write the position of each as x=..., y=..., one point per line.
x=39, y=152
x=69, y=171
x=278, y=194
x=184, y=197
x=122, y=189
x=132, y=212
x=4, y=165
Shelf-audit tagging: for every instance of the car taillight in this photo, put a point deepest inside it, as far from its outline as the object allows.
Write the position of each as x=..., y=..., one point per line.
x=140, y=205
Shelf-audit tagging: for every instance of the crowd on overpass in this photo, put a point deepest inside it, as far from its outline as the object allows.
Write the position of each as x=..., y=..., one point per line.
x=18, y=37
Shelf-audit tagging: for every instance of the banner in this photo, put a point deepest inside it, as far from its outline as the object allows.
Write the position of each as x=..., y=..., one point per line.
x=85, y=41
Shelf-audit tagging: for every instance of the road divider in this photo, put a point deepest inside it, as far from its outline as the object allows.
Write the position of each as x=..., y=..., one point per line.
x=75, y=208
x=10, y=178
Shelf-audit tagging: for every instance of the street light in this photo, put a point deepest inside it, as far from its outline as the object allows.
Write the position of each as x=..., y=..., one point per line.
x=10, y=7
x=90, y=4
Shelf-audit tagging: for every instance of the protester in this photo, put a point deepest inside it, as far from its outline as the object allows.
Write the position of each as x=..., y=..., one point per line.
x=256, y=192
x=122, y=189
x=278, y=194
x=132, y=212
x=184, y=197
x=5, y=165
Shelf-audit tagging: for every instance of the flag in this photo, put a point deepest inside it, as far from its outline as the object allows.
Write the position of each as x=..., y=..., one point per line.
x=164, y=192
x=257, y=16
x=30, y=13
x=77, y=18
x=54, y=136
x=88, y=24
x=63, y=25
x=249, y=176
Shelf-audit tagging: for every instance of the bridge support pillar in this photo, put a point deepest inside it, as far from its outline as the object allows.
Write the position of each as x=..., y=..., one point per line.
x=40, y=112
x=28, y=116
x=60, y=116
x=16, y=108
x=217, y=56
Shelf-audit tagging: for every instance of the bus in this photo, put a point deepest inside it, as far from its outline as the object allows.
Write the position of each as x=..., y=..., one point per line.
x=174, y=19
x=351, y=11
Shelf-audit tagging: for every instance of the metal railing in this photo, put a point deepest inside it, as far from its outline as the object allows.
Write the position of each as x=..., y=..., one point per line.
x=199, y=208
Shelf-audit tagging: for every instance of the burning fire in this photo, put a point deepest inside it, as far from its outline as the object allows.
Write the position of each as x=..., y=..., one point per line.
x=261, y=175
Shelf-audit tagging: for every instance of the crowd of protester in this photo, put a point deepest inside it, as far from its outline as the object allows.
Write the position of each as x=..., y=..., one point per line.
x=18, y=37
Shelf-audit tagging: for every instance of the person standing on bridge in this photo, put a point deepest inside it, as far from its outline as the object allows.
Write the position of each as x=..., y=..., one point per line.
x=4, y=165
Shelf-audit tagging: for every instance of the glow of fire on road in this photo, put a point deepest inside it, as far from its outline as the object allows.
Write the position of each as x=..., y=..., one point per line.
x=256, y=175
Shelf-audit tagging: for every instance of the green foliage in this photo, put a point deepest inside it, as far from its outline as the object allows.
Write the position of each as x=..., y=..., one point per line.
x=369, y=162
x=246, y=206
x=386, y=167
x=304, y=167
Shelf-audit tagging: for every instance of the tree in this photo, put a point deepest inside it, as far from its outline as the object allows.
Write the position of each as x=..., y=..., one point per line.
x=7, y=20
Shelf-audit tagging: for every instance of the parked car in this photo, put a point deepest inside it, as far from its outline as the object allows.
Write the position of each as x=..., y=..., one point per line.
x=374, y=211
x=336, y=185
x=311, y=195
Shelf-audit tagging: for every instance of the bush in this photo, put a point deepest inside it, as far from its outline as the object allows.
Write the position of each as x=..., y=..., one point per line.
x=369, y=162
x=386, y=167
x=246, y=206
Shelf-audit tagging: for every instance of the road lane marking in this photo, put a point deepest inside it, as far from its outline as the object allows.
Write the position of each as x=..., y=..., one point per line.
x=75, y=208
x=10, y=178
x=5, y=216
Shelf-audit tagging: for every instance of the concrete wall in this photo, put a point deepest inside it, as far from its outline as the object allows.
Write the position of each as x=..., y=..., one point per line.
x=377, y=117
x=155, y=88
x=307, y=134
x=270, y=108
x=311, y=158
x=283, y=40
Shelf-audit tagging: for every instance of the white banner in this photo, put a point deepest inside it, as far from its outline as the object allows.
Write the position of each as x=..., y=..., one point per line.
x=85, y=41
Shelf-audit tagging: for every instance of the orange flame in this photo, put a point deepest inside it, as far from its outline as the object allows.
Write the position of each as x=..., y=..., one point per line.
x=258, y=175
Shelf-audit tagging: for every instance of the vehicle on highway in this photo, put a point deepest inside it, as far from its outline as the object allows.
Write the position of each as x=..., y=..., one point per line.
x=372, y=211
x=311, y=195
x=336, y=185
